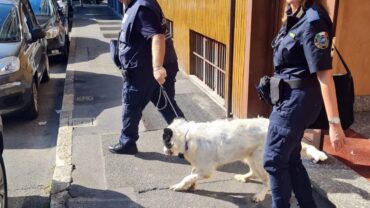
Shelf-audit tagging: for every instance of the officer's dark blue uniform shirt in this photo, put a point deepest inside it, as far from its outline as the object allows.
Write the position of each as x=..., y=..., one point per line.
x=149, y=21
x=303, y=45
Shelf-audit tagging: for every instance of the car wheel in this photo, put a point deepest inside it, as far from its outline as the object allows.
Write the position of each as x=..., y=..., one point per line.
x=3, y=186
x=32, y=110
x=68, y=41
x=46, y=74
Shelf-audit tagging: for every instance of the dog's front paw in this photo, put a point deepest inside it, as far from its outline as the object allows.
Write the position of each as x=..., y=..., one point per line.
x=178, y=187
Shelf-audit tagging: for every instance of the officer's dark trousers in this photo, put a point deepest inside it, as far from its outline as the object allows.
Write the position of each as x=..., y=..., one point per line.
x=282, y=159
x=137, y=91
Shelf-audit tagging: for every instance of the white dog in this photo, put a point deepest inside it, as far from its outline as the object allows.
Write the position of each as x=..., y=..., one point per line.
x=207, y=146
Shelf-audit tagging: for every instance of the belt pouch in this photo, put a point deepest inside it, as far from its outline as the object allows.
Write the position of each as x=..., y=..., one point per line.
x=276, y=88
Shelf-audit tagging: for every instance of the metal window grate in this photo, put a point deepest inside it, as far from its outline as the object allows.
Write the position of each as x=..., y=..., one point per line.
x=169, y=31
x=208, y=62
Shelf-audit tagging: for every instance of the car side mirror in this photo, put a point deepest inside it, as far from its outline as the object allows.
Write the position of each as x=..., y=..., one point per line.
x=37, y=33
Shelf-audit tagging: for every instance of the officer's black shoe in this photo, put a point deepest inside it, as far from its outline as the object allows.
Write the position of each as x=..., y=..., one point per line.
x=123, y=149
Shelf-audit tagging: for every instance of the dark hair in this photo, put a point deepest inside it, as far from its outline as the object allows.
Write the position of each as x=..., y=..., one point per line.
x=307, y=3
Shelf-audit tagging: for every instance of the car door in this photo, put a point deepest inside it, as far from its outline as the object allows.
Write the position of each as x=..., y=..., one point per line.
x=37, y=48
x=28, y=48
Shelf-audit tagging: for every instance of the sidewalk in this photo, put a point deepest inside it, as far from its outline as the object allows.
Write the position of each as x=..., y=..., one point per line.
x=92, y=121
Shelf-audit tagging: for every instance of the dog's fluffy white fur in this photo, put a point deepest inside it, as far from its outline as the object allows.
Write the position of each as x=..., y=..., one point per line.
x=206, y=146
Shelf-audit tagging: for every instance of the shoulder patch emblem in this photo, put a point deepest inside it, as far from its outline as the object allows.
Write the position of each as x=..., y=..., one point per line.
x=322, y=40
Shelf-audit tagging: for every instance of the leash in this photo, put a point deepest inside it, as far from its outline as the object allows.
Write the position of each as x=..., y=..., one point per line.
x=166, y=100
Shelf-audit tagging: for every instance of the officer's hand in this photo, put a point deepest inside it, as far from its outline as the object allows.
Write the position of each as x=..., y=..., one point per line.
x=337, y=137
x=160, y=75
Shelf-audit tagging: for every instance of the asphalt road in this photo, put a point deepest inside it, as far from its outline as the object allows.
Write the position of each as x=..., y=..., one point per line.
x=30, y=145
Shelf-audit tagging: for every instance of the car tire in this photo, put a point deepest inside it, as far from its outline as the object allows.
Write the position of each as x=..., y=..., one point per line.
x=46, y=74
x=3, y=185
x=68, y=41
x=65, y=51
x=32, y=110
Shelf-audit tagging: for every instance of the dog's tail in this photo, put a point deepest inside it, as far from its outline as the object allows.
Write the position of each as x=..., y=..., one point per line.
x=313, y=153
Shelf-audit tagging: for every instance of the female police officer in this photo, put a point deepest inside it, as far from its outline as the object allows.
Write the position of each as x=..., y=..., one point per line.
x=149, y=60
x=302, y=61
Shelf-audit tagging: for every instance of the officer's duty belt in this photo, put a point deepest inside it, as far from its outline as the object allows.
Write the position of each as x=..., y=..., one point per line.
x=299, y=83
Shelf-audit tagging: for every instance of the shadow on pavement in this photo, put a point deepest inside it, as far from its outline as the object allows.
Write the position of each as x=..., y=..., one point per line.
x=88, y=197
x=95, y=93
x=84, y=22
x=28, y=201
x=338, y=180
x=99, y=48
x=239, y=199
x=85, y=16
x=161, y=157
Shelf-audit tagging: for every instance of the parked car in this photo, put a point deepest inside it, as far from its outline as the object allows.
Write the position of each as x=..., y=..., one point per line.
x=66, y=8
x=51, y=20
x=3, y=184
x=23, y=58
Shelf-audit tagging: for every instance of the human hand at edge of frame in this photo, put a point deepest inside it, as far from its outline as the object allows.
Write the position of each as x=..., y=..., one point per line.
x=337, y=136
x=160, y=75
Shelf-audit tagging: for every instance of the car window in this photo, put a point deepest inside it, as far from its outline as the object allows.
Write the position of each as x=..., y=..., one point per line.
x=26, y=22
x=42, y=7
x=9, y=23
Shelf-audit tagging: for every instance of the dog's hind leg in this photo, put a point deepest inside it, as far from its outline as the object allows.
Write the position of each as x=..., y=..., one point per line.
x=260, y=196
x=257, y=166
x=245, y=177
x=189, y=182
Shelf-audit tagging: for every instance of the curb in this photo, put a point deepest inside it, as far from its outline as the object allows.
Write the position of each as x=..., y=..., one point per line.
x=62, y=176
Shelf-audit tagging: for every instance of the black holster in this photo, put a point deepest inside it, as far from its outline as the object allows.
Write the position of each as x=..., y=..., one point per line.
x=270, y=90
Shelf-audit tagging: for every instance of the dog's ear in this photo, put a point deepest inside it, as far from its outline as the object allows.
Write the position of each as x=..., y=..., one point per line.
x=167, y=134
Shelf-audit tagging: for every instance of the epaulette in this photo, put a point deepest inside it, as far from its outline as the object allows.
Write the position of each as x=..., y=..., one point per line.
x=312, y=15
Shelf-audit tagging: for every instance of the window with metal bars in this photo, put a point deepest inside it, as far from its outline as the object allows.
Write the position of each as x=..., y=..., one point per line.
x=208, y=62
x=169, y=31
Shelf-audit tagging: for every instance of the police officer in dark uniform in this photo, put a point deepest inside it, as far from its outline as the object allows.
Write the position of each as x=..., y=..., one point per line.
x=149, y=61
x=302, y=61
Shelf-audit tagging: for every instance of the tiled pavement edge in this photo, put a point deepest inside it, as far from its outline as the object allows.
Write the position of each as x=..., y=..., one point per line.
x=62, y=177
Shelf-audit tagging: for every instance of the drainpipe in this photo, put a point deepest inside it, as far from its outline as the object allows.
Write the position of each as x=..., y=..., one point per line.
x=231, y=58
